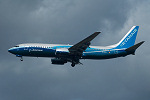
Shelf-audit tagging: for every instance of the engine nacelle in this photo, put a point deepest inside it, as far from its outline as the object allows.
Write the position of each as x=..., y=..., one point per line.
x=58, y=61
x=62, y=51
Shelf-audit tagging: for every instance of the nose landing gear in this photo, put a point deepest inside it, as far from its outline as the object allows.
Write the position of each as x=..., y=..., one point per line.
x=21, y=59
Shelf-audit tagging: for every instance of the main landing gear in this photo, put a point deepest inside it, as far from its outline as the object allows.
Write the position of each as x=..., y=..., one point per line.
x=75, y=61
x=73, y=64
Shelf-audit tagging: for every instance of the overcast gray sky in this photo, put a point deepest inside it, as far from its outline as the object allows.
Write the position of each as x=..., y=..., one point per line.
x=68, y=22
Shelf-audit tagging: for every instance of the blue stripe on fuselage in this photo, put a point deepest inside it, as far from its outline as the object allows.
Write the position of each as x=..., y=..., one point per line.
x=89, y=53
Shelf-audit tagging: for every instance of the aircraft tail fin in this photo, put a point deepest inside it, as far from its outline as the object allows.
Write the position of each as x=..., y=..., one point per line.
x=132, y=49
x=129, y=39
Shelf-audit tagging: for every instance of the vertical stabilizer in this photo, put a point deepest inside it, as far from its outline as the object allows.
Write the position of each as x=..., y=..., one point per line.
x=129, y=39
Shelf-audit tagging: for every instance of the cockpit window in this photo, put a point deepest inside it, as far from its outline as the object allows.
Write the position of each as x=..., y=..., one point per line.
x=16, y=46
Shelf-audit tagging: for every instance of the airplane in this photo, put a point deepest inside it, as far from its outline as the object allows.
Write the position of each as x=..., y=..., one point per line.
x=62, y=54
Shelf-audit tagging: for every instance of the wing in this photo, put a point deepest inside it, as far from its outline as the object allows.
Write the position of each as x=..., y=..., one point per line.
x=78, y=48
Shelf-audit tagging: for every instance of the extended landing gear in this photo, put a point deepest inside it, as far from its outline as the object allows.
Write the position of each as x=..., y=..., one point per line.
x=73, y=64
x=21, y=59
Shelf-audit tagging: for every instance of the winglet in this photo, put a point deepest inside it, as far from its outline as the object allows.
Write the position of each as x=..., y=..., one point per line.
x=132, y=49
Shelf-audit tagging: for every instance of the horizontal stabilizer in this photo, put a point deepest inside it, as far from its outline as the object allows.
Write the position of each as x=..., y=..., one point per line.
x=133, y=48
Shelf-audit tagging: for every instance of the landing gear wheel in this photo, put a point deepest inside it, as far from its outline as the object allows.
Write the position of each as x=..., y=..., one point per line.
x=21, y=59
x=73, y=64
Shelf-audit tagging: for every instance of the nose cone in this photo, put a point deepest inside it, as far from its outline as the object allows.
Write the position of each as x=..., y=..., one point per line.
x=12, y=50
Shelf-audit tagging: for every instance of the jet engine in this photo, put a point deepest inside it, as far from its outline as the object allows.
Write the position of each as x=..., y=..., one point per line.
x=58, y=61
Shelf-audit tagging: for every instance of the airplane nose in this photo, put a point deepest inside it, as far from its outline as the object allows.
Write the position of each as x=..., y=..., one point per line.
x=12, y=50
